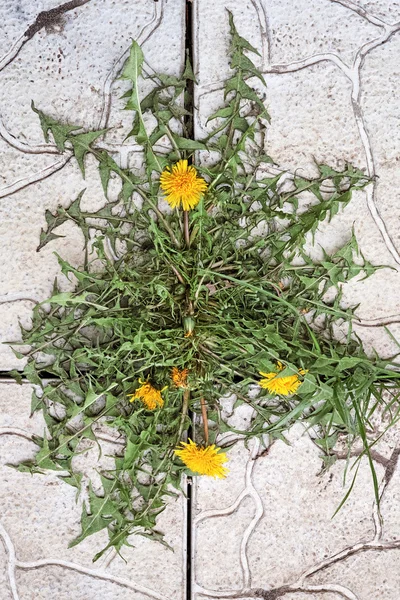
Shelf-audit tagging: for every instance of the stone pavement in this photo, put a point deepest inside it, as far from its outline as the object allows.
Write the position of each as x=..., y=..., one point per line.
x=332, y=70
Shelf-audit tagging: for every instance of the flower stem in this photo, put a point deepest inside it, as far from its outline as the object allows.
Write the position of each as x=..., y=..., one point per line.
x=205, y=419
x=185, y=408
x=186, y=227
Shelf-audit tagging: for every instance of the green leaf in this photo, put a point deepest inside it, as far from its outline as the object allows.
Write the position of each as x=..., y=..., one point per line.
x=16, y=375
x=242, y=62
x=237, y=40
x=348, y=362
x=238, y=85
x=60, y=132
x=132, y=70
x=81, y=144
x=58, y=218
x=187, y=144
x=188, y=72
x=223, y=113
x=102, y=512
x=43, y=458
x=107, y=165
x=133, y=66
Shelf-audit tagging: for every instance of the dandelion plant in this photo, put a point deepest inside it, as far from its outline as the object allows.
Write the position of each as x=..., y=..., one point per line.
x=206, y=289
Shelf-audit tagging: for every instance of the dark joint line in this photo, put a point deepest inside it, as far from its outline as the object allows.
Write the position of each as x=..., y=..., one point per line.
x=188, y=121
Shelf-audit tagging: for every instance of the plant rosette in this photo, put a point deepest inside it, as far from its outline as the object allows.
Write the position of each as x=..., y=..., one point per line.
x=215, y=296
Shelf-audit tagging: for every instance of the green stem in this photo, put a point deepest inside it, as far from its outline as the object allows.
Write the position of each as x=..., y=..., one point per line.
x=185, y=410
x=161, y=217
x=171, y=139
x=186, y=227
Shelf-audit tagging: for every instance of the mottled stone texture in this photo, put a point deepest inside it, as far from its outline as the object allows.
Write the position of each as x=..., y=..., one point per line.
x=67, y=69
x=40, y=515
x=332, y=71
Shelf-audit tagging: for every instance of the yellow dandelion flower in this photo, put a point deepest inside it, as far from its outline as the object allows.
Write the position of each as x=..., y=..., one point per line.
x=149, y=395
x=182, y=185
x=179, y=377
x=204, y=461
x=283, y=386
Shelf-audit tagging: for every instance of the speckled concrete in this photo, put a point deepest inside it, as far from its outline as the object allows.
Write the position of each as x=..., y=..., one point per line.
x=332, y=72
x=67, y=69
x=40, y=515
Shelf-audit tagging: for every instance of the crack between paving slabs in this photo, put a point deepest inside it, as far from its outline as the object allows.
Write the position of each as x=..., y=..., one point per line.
x=53, y=17
x=189, y=126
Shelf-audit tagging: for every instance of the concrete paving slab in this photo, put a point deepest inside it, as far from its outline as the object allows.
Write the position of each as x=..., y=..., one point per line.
x=40, y=515
x=277, y=534
x=331, y=68
x=67, y=68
